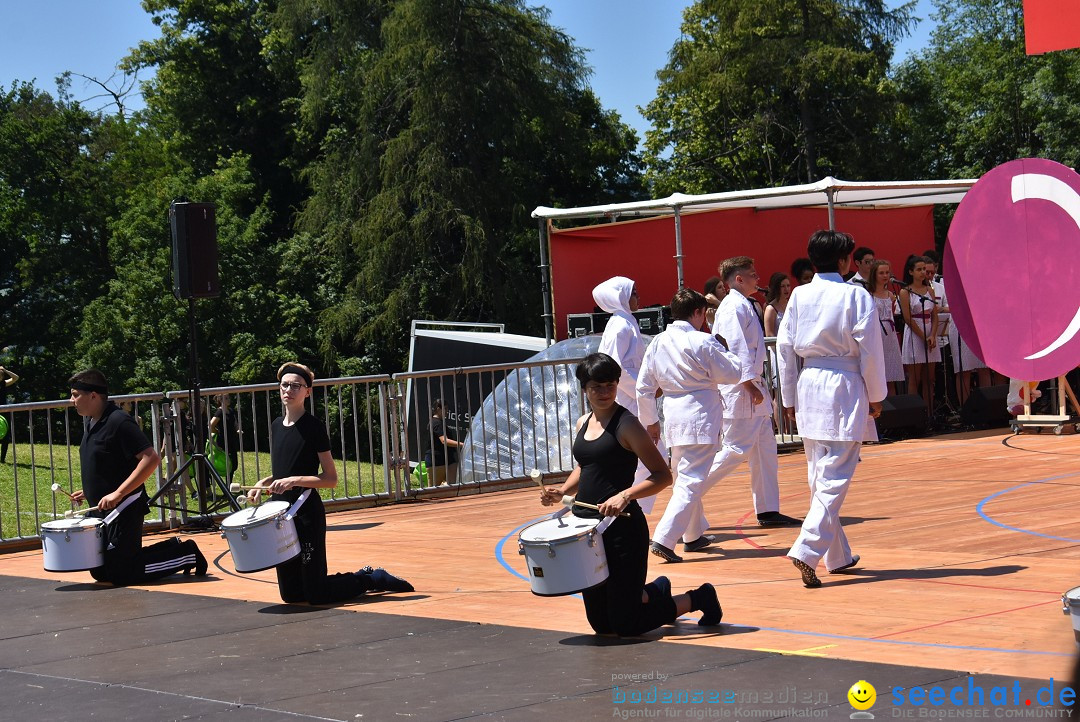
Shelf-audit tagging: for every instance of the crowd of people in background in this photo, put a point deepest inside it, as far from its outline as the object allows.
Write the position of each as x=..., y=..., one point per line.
x=922, y=348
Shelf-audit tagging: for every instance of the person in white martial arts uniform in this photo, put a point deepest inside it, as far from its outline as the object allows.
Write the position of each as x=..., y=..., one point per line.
x=622, y=341
x=686, y=364
x=748, y=430
x=830, y=328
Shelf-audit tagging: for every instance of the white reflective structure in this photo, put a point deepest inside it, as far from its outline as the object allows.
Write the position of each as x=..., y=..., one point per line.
x=527, y=421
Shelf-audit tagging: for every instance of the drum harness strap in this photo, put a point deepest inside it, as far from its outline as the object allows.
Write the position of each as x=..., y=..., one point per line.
x=119, y=508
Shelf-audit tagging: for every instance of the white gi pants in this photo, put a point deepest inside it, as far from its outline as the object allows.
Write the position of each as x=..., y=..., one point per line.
x=751, y=440
x=642, y=474
x=830, y=466
x=684, y=514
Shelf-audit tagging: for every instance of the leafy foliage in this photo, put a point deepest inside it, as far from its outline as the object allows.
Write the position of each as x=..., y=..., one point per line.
x=772, y=92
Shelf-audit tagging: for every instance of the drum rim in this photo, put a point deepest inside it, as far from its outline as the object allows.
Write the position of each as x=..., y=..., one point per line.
x=593, y=523
x=258, y=520
x=1072, y=601
x=78, y=525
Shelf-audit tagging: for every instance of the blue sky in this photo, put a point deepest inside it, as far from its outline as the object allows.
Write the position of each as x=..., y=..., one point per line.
x=627, y=42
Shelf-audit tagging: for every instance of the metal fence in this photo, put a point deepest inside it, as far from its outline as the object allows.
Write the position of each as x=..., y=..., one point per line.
x=508, y=418
x=368, y=419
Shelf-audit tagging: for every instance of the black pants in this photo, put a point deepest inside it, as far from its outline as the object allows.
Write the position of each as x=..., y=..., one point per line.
x=303, y=578
x=128, y=562
x=615, y=606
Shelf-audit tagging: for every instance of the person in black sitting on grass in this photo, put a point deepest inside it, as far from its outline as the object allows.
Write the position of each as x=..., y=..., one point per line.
x=299, y=446
x=115, y=460
x=609, y=442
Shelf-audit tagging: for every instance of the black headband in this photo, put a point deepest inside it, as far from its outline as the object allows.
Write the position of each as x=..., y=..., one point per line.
x=83, y=386
x=290, y=369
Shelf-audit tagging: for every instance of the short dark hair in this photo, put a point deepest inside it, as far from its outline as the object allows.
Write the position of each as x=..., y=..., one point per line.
x=685, y=302
x=774, y=285
x=91, y=377
x=932, y=256
x=862, y=252
x=731, y=267
x=800, y=266
x=826, y=248
x=711, y=284
x=598, y=367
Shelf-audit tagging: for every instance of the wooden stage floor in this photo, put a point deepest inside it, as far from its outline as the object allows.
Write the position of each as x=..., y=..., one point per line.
x=967, y=543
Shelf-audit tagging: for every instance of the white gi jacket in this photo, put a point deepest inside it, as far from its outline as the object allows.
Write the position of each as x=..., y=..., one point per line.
x=738, y=323
x=687, y=364
x=831, y=329
x=622, y=339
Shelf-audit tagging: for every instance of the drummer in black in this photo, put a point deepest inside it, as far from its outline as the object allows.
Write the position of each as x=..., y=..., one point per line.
x=116, y=459
x=299, y=447
x=609, y=442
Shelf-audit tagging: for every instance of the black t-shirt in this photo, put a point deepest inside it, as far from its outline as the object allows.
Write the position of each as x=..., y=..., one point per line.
x=228, y=431
x=107, y=452
x=440, y=453
x=294, y=451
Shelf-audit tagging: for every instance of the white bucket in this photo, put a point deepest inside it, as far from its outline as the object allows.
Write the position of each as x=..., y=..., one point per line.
x=1070, y=604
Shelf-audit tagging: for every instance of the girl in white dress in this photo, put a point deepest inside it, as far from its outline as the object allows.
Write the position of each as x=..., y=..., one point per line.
x=920, y=350
x=885, y=301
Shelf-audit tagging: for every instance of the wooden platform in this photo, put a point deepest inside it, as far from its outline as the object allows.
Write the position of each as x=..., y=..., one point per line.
x=967, y=543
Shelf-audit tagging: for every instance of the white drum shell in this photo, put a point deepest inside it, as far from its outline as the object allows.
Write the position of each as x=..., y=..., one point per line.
x=261, y=538
x=563, y=556
x=73, y=545
x=1070, y=604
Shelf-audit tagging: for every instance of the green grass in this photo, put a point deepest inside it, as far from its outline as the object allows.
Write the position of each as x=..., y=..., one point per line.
x=21, y=513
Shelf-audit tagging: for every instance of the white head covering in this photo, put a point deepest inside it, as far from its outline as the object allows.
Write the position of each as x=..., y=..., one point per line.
x=613, y=295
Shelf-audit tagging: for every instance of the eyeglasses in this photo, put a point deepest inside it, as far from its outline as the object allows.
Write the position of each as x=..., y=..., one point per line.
x=286, y=386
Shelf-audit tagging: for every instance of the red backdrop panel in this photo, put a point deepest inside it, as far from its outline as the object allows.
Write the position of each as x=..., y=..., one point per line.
x=1051, y=25
x=644, y=250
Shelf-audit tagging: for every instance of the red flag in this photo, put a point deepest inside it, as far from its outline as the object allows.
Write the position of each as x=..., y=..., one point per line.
x=1051, y=25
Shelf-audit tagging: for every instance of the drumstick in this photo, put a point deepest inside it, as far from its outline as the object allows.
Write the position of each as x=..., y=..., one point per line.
x=57, y=487
x=235, y=487
x=69, y=513
x=571, y=501
x=538, y=477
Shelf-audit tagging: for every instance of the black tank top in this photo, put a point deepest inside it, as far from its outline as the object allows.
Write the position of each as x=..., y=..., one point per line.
x=606, y=466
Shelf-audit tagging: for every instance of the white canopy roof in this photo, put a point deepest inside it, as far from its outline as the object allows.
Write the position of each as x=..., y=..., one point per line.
x=845, y=194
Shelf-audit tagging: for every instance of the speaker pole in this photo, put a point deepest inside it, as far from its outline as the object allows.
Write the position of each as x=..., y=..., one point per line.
x=184, y=288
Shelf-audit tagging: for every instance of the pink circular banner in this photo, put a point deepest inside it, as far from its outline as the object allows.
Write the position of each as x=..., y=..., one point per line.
x=1011, y=261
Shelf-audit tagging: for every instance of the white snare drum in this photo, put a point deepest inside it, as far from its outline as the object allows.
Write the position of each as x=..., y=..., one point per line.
x=73, y=545
x=564, y=554
x=1070, y=604
x=262, y=537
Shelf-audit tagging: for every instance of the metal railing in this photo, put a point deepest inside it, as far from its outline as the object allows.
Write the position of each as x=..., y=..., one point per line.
x=510, y=418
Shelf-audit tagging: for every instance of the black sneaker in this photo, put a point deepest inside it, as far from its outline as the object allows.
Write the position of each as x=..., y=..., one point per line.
x=383, y=581
x=775, y=518
x=200, y=561
x=700, y=543
x=704, y=599
x=841, y=569
x=664, y=553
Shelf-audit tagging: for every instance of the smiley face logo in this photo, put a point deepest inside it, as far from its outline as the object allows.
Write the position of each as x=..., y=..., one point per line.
x=862, y=695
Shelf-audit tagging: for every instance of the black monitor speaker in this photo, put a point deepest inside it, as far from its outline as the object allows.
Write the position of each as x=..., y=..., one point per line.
x=986, y=407
x=905, y=411
x=194, y=250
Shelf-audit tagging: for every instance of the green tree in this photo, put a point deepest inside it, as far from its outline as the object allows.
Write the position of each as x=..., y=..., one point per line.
x=62, y=170
x=442, y=123
x=773, y=92
x=139, y=330
x=973, y=99
x=222, y=87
